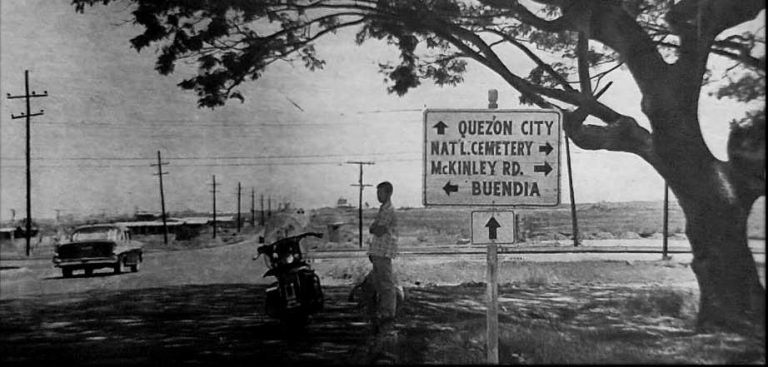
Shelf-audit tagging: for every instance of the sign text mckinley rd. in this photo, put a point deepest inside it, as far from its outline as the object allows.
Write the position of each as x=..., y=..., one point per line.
x=492, y=157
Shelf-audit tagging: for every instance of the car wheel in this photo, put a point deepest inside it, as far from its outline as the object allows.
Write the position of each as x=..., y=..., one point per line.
x=88, y=272
x=120, y=265
x=66, y=272
x=135, y=267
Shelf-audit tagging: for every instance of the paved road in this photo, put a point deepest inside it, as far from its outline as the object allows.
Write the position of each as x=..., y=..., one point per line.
x=225, y=264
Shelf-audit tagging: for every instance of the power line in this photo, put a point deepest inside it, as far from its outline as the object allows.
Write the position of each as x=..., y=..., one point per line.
x=254, y=164
x=212, y=157
x=153, y=124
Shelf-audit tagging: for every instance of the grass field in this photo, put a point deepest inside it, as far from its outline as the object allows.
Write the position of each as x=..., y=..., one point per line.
x=628, y=220
x=592, y=312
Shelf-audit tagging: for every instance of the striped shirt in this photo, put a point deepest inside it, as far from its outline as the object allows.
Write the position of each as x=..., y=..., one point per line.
x=386, y=244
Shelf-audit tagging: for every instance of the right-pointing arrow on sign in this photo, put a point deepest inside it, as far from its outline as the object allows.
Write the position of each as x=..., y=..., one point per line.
x=492, y=225
x=546, y=168
x=450, y=188
x=546, y=148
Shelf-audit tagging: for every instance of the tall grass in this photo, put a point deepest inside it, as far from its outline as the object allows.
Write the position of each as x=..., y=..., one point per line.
x=635, y=334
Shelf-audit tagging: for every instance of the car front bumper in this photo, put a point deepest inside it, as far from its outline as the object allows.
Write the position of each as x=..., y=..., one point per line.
x=85, y=262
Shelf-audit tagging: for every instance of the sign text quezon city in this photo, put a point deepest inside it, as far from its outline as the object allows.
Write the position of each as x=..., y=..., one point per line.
x=492, y=157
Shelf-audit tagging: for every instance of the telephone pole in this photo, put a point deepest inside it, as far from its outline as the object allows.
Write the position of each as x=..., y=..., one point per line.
x=360, y=202
x=27, y=95
x=239, y=191
x=665, y=239
x=261, y=221
x=253, y=210
x=214, y=204
x=574, y=220
x=160, y=174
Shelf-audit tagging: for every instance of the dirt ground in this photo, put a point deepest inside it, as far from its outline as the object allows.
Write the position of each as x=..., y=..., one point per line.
x=205, y=305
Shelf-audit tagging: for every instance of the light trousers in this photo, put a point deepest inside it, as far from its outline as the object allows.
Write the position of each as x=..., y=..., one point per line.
x=384, y=283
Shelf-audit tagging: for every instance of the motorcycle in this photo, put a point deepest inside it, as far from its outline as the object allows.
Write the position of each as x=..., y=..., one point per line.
x=297, y=293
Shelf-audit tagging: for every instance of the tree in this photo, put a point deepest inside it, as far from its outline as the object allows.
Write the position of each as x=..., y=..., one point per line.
x=665, y=45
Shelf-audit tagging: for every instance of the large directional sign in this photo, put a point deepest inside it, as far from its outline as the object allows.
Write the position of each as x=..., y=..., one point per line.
x=492, y=157
x=496, y=226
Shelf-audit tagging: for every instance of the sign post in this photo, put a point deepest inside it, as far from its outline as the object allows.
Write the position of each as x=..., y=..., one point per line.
x=492, y=316
x=490, y=157
x=491, y=228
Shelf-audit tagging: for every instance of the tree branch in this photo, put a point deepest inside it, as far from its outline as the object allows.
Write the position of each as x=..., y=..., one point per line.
x=545, y=66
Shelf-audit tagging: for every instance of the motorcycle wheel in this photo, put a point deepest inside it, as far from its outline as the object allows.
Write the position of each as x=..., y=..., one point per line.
x=295, y=322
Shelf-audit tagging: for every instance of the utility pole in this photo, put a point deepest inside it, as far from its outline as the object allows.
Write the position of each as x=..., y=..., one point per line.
x=160, y=174
x=239, y=191
x=574, y=220
x=253, y=210
x=360, y=201
x=214, y=204
x=269, y=206
x=665, y=243
x=261, y=221
x=27, y=95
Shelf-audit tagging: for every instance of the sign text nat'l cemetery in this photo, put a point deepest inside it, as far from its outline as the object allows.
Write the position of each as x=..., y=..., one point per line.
x=492, y=157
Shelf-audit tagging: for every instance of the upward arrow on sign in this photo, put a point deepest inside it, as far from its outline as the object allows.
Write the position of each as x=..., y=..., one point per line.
x=492, y=225
x=440, y=126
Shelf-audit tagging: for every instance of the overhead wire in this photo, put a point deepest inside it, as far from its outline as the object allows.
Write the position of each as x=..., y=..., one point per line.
x=284, y=156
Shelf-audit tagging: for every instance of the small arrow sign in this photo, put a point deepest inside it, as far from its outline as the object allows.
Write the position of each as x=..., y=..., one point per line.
x=492, y=225
x=546, y=148
x=440, y=126
x=546, y=168
x=450, y=188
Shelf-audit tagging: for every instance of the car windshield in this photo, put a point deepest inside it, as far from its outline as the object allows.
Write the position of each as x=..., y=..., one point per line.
x=85, y=234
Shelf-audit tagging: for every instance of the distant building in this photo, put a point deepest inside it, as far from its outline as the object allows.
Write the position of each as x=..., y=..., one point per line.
x=343, y=203
x=145, y=216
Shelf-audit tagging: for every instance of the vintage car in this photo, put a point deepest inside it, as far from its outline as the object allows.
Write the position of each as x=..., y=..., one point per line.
x=98, y=246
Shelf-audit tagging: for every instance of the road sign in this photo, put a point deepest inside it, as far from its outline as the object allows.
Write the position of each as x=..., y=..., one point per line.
x=488, y=225
x=492, y=157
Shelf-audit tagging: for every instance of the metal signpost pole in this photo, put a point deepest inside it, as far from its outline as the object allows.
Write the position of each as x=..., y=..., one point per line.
x=492, y=317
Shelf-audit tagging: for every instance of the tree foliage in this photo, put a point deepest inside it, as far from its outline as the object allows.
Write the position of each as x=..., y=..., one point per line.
x=233, y=41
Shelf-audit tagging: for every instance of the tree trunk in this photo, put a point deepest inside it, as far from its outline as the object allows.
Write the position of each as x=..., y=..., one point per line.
x=731, y=296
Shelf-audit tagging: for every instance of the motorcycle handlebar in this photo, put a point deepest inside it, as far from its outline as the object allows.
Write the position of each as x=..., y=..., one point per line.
x=268, y=249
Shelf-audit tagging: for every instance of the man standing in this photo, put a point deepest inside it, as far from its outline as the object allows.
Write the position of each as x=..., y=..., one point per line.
x=383, y=248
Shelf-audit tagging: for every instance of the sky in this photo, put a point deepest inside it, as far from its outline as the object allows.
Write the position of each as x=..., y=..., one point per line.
x=109, y=112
